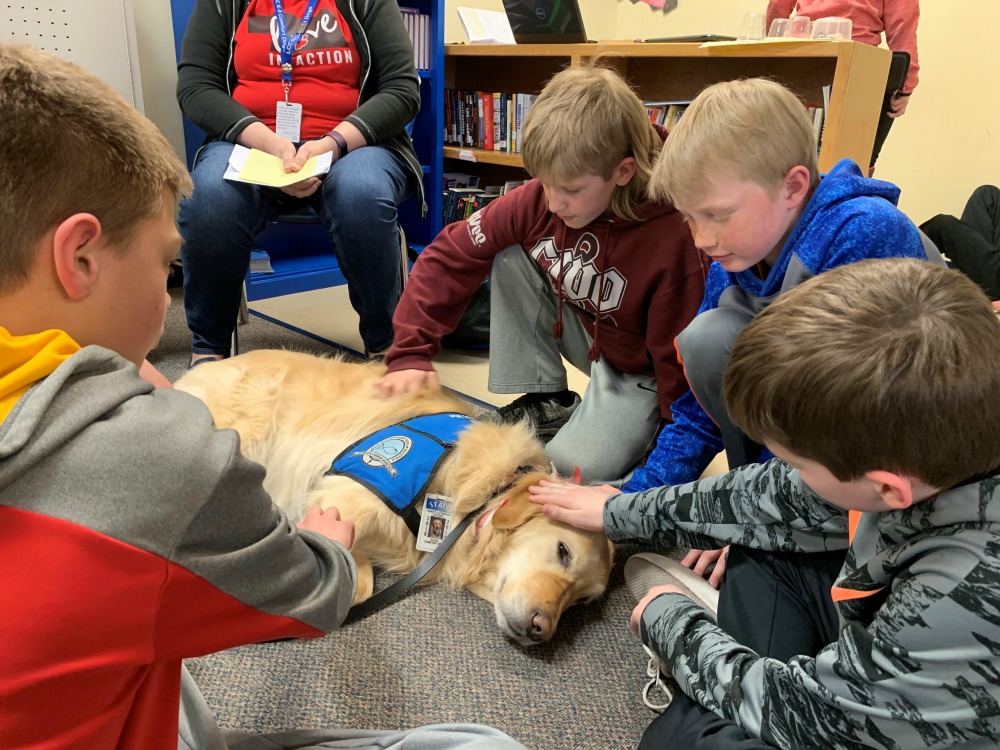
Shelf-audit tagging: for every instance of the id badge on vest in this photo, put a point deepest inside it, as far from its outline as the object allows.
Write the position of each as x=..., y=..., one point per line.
x=436, y=522
x=288, y=121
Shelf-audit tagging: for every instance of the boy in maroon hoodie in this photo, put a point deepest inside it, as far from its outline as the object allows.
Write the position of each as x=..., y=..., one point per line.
x=583, y=266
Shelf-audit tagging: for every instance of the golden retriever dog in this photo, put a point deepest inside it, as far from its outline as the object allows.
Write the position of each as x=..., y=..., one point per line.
x=295, y=413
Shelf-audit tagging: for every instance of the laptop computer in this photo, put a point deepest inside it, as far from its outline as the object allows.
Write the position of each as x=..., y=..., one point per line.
x=545, y=21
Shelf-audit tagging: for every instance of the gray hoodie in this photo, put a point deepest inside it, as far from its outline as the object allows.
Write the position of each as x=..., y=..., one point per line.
x=136, y=535
x=917, y=663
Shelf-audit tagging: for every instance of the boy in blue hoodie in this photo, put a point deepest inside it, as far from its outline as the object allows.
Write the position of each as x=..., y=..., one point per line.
x=741, y=167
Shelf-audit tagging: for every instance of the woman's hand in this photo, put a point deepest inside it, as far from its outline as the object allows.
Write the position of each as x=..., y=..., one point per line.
x=259, y=136
x=582, y=507
x=302, y=189
x=407, y=381
x=897, y=105
x=308, y=150
x=297, y=159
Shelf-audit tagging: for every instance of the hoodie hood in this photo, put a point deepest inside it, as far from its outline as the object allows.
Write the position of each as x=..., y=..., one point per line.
x=62, y=404
x=843, y=196
x=24, y=360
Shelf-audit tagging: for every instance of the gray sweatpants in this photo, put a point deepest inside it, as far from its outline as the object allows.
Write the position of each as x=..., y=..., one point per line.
x=199, y=731
x=615, y=425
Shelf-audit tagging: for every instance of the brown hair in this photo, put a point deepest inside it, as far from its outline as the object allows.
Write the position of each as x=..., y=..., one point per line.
x=72, y=145
x=752, y=129
x=585, y=121
x=880, y=365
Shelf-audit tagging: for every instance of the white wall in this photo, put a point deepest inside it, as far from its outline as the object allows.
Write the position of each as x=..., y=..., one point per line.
x=945, y=145
x=158, y=68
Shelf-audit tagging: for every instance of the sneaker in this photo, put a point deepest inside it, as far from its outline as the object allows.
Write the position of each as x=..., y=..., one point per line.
x=646, y=570
x=544, y=410
x=643, y=572
x=658, y=683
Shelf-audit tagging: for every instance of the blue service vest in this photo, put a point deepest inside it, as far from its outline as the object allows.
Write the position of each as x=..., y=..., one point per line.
x=398, y=462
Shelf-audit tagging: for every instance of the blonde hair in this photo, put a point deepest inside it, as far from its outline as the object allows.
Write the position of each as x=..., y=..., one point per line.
x=880, y=365
x=71, y=144
x=752, y=129
x=585, y=122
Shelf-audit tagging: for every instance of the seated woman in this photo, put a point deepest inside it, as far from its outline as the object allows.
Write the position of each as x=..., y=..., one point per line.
x=297, y=79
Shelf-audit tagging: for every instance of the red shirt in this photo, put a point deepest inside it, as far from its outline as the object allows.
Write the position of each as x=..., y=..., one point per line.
x=326, y=67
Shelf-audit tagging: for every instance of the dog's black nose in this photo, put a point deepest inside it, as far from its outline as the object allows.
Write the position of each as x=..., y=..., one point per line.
x=541, y=627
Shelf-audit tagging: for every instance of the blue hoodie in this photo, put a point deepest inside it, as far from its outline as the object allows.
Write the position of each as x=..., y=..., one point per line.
x=848, y=218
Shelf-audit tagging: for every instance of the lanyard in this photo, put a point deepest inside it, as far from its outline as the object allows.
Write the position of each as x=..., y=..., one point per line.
x=288, y=43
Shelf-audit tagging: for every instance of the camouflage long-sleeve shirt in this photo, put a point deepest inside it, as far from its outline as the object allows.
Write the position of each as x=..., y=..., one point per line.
x=917, y=663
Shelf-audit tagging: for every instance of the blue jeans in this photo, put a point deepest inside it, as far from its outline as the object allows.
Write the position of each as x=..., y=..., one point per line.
x=356, y=205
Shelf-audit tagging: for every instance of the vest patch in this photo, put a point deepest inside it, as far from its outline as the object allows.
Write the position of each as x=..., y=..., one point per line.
x=397, y=463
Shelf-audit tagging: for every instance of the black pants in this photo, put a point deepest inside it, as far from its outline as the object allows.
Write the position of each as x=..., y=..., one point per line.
x=972, y=243
x=779, y=605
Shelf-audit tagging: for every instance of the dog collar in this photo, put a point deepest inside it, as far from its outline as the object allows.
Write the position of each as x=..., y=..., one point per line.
x=488, y=515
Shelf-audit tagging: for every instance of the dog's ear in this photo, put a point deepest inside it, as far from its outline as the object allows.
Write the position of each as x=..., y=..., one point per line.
x=517, y=511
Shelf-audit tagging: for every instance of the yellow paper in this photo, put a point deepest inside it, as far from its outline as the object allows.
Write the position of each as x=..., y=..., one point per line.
x=266, y=169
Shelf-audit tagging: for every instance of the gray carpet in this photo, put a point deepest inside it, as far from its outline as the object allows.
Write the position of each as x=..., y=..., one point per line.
x=435, y=656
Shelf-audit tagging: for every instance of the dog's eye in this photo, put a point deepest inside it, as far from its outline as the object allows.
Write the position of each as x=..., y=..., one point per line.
x=564, y=555
x=584, y=600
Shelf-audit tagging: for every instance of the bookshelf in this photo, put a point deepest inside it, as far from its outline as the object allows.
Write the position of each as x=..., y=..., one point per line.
x=856, y=72
x=426, y=132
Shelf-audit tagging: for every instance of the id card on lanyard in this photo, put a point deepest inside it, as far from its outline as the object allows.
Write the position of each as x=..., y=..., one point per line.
x=288, y=119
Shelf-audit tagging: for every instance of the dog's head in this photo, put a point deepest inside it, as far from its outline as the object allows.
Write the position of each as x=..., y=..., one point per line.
x=542, y=567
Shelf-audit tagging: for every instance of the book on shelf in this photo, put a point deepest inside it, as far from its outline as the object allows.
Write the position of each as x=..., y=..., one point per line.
x=454, y=203
x=487, y=120
x=260, y=262
x=460, y=180
x=666, y=113
x=486, y=26
x=418, y=27
x=817, y=117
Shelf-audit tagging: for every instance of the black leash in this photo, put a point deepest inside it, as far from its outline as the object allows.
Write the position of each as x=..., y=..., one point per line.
x=387, y=595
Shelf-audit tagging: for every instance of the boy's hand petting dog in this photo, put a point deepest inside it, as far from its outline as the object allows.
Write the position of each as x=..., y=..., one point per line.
x=644, y=602
x=700, y=560
x=407, y=381
x=328, y=524
x=582, y=507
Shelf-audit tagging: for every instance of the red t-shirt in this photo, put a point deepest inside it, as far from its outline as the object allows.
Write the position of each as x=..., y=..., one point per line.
x=326, y=67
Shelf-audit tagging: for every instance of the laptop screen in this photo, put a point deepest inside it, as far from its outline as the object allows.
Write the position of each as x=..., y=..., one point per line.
x=545, y=21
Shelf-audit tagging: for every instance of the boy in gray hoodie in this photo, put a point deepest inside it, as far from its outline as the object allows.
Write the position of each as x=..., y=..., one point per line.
x=875, y=385
x=134, y=534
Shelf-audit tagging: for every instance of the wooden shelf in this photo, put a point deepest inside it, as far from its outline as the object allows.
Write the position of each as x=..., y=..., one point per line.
x=856, y=73
x=480, y=156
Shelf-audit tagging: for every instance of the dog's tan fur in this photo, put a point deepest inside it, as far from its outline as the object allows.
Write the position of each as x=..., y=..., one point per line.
x=295, y=413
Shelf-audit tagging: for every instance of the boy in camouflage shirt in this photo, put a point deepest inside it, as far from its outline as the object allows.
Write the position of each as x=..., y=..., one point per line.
x=876, y=386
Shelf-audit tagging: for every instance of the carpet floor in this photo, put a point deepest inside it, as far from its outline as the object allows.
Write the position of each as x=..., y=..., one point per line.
x=435, y=656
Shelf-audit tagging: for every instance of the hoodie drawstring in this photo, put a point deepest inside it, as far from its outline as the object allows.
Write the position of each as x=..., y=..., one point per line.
x=594, y=355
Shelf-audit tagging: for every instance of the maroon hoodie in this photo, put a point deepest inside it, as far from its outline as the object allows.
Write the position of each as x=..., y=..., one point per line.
x=634, y=284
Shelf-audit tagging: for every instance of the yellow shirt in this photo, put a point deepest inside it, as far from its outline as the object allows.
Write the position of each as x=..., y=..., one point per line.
x=24, y=360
